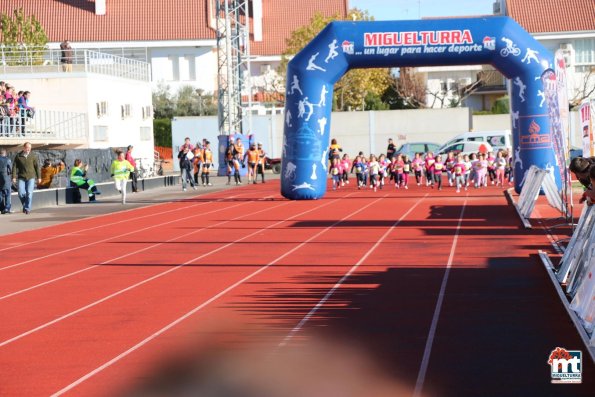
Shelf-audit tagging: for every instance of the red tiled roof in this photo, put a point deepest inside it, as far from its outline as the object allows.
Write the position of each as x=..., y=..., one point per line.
x=156, y=20
x=281, y=17
x=549, y=16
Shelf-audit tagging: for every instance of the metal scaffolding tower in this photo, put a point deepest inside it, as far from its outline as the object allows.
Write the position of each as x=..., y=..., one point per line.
x=233, y=63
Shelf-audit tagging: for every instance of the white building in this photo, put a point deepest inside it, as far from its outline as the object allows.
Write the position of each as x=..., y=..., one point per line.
x=104, y=102
x=568, y=25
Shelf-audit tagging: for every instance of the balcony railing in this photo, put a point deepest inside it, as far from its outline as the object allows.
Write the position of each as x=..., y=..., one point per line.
x=25, y=60
x=46, y=126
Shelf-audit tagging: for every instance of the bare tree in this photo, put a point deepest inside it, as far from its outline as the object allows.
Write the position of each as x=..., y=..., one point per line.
x=585, y=89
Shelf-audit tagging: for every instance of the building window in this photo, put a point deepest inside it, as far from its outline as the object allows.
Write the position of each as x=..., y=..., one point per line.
x=100, y=133
x=125, y=111
x=101, y=109
x=584, y=52
x=147, y=112
x=145, y=134
x=443, y=86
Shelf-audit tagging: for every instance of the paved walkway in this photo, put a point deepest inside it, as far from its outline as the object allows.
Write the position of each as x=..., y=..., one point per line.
x=107, y=203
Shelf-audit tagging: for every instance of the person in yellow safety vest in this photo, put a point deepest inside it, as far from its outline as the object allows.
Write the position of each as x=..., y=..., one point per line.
x=207, y=163
x=120, y=170
x=252, y=155
x=78, y=178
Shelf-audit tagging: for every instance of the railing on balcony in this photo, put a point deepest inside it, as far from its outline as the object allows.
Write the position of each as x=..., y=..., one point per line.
x=491, y=78
x=25, y=60
x=44, y=125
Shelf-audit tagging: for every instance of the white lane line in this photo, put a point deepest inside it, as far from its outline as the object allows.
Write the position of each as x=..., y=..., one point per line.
x=421, y=375
x=184, y=219
x=117, y=222
x=142, y=249
x=211, y=300
x=330, y=293
x=159, y=275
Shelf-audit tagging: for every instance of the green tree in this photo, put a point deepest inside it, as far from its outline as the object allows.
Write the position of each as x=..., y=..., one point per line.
x=187, y=101
x=23, y=38
x=501, y=105
x=162, y=132
x=357, y=86
x=163, y=104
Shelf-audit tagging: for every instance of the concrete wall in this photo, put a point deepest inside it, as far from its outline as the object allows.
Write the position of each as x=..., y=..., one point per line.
x=364, y=131
x=63, y=196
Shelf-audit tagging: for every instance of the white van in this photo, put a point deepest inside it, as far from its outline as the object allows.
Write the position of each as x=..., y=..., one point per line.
x=498, y=139
x=465, y=148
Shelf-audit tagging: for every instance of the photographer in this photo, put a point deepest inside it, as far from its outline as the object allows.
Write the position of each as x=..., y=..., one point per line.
x=48, y=171
x=78, y=179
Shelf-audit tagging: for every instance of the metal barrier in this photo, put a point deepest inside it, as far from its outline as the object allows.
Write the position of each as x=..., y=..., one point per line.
x=536, y=180
x=578, y=244
x=576, y=273
x=45, y=125
x=24, y=60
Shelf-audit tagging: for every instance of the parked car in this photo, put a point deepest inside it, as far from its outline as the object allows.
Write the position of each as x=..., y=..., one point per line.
x=575, y=152
x=466, y=148
x=497, y=139
x=410, y=149
x=272, y=164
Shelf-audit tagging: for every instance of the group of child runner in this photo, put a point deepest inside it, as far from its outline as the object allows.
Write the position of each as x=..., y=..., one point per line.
x=461, y=171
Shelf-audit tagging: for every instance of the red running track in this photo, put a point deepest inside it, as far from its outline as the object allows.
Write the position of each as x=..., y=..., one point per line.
x=444, y=292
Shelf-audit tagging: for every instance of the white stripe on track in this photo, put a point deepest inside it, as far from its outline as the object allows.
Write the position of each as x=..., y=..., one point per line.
x=421, y=375
x=117, y=222
x=212, y=299
x=330, y=293
x=159, y=275
x=142, y=249
x=184, y=219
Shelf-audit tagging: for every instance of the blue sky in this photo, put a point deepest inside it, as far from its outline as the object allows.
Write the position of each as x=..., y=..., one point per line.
x=410, y=9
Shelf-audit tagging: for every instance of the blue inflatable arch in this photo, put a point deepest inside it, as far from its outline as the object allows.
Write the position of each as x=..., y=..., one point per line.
x=341, y=46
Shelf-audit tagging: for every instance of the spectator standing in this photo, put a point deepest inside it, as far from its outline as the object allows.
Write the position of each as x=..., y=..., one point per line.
x=391, y=149
x=5, y=183
x=261, y=160
x=48, y=171
x=66, y=56
x=134, y=172
x=25, y=171
x=121, y=170
x=185, y=157
x=187, y=144
x=207, y=163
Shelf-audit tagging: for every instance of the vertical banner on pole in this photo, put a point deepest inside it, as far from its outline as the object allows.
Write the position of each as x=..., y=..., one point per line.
x=564, y=109
x=586, y=128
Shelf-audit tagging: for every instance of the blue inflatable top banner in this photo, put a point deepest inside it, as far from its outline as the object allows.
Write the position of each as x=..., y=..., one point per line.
x=345, y=45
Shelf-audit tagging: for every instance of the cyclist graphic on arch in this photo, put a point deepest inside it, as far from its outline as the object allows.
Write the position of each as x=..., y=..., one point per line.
x=510, y=48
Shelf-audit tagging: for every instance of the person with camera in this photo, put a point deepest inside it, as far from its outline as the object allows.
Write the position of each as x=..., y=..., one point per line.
x=78, y=179
x=48, y=171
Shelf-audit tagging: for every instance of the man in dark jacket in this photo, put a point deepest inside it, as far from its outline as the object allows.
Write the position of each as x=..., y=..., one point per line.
x=25, y=171
x=185, y=156
x=5, y=183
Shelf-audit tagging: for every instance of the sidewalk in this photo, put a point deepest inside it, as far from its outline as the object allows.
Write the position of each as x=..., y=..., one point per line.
x=107, y=203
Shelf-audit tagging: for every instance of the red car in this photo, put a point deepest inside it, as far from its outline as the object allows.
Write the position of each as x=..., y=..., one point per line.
x=272, y=164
